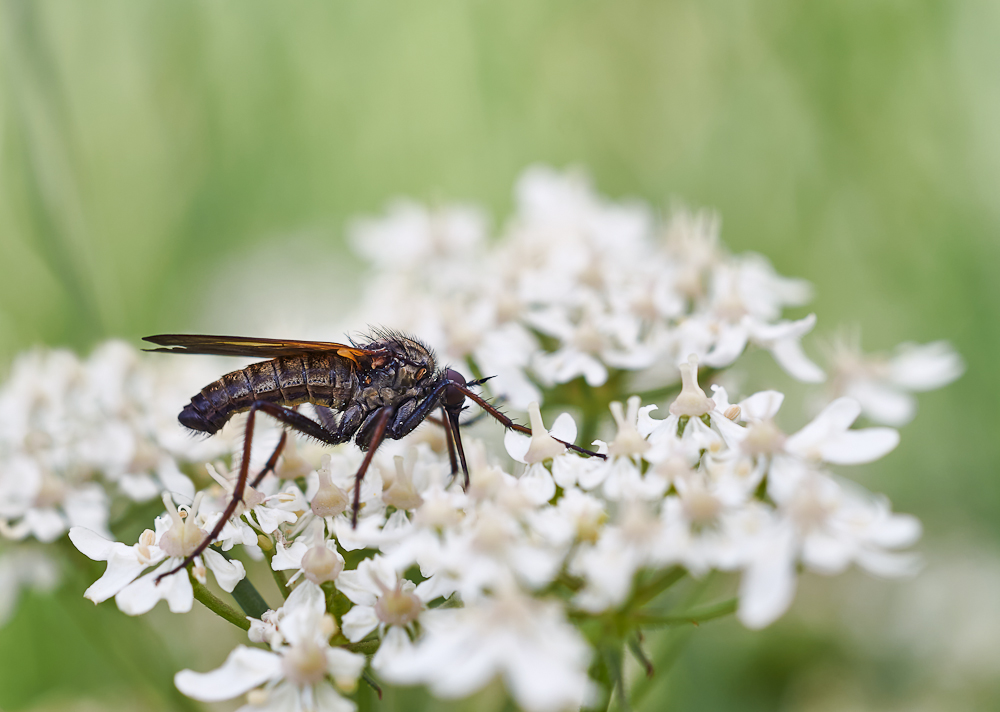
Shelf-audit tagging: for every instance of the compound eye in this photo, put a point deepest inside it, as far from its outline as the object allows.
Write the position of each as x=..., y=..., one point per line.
x=452, y=396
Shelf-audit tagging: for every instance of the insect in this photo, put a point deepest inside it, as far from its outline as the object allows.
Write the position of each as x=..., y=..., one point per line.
x=383, y=389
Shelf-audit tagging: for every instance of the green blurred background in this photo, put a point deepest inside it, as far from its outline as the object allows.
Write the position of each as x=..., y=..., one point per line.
x=167, y=166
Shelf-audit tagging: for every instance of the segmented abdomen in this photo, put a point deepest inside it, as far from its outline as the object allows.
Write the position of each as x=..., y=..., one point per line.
x=323, y=379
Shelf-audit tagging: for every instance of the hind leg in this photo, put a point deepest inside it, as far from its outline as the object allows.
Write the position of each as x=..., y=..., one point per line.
x=291, y=419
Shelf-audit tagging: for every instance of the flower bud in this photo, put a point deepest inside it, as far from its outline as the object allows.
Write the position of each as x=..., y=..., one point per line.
x=329, y=500
x=320, y=565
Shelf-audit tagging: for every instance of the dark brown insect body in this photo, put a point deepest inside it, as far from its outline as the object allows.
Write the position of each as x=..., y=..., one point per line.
x=347, y=387
x=383, y=389
x=313, y=378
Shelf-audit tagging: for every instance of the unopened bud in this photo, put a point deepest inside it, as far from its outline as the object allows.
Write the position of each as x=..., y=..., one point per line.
x=328, y=626
x=258, y=698
x=329, y=500
x=320, y=565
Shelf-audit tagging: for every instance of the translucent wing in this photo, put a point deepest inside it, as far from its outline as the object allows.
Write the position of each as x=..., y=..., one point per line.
x=256, y=348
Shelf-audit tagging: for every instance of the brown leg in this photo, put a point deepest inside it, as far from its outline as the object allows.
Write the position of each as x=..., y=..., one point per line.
x=290, y=418
x=458, y=446
x=446, y=424
x=273, y=460
x=378, y=435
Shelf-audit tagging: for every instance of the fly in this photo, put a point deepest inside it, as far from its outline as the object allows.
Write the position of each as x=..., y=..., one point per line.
x=383, y=389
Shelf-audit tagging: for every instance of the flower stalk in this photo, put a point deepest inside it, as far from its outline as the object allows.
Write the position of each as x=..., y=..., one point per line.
x=217, y=606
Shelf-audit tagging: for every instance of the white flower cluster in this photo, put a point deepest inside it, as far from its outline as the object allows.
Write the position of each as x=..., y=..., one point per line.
x=74, y=434
x=74, y=431
x=526, y=549
x=452, y=588
x=577, y=286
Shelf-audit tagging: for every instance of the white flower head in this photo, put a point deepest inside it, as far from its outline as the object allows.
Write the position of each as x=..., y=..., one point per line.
x=525, y=641
x=175, y=539
x=301, y=671
x=884, y=385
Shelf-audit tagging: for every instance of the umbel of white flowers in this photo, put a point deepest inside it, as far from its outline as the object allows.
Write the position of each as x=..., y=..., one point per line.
x=579, y=302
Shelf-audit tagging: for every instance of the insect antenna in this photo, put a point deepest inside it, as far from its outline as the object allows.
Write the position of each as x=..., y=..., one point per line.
x=502, y=418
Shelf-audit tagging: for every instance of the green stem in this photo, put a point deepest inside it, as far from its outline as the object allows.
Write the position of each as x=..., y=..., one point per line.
x=601, y=675
x=664, y=659
x=125, y=644
x=651, y=589
x=365, y=647
x=635, y=645
x=280, y=577
x=372, y=683
x=613, y=661
x=217, y=606
x=249, y=599
x=695, y=616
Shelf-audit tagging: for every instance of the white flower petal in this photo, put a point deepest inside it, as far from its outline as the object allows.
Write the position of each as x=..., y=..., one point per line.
x=140, y=487
x=883, y=403
x=792, y=358
x=890, y=564
x=516, y=444
x=396, y=643
x=307, y=595
x=123, y=568
x=142, y=594
x=537, y=484
x=762, y=406
x=244, y=669
x=926, y=367
x=359, y=622
x=173, y=480
x=730, y=344
x=768, y=585
x=855, y=447
x=896, y=531
x=93, y=545
x=270, y=518
x=564, y=428
x=343, y=664
x=834, y=419
x=228, y=572
x=46, y=524
x=327, y=700
x=290, y=558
